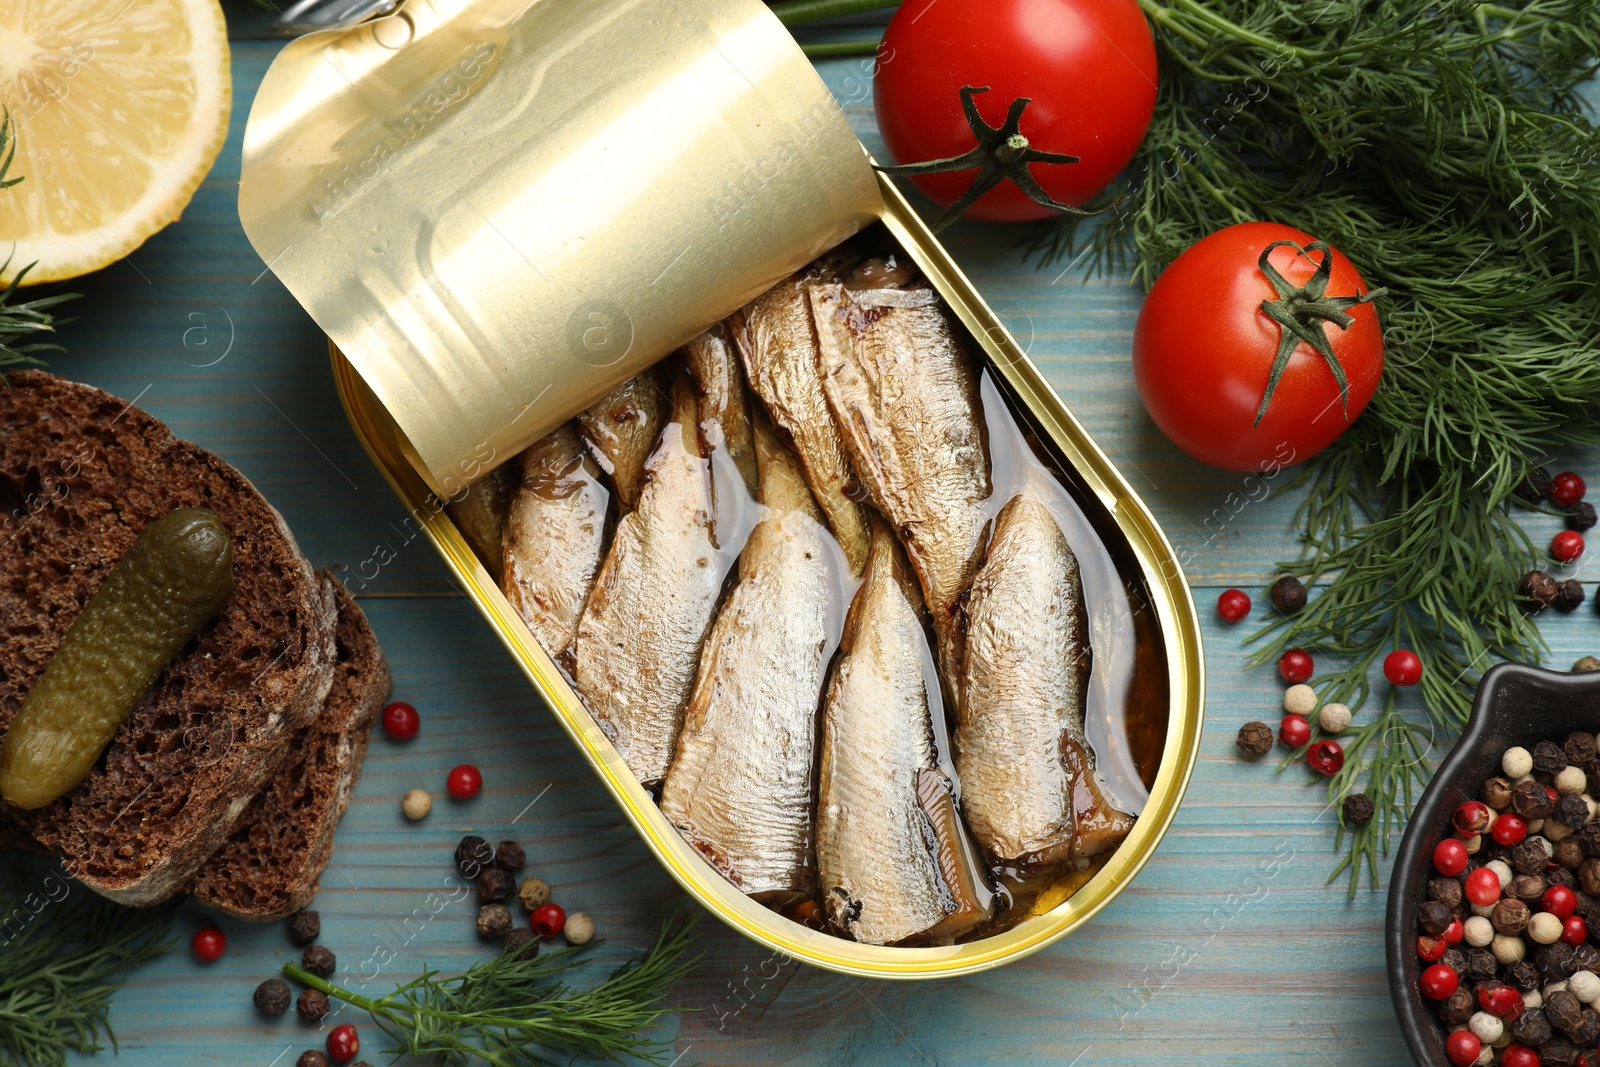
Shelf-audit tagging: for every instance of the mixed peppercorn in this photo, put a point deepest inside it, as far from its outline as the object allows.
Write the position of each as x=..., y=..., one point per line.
x=1510, y=966
x=1539, y=590
x=493, y=874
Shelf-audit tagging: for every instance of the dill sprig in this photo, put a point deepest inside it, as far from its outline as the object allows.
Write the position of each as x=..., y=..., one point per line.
x=21, y=322
x=61, y=960
x=1443, y=147
x=512, y=1012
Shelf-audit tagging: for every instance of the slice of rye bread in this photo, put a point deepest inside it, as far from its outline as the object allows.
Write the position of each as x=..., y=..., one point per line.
x=269, y=867
x=81, y=476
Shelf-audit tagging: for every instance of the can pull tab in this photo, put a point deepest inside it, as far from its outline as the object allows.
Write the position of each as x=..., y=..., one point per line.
x=307, y=15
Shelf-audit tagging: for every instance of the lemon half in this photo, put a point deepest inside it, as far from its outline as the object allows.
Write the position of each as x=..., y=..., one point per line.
x=118, y=110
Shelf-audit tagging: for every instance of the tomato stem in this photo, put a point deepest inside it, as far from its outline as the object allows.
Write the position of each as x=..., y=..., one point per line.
x=1001, y=152
x=1300, y=311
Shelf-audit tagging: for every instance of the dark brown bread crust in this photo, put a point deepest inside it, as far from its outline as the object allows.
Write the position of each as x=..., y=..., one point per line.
x=269, y=867
x=81, y=474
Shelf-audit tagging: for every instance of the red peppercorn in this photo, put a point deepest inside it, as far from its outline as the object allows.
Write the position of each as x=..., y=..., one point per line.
x=464, y=782
x=1519, y=1056
x=1501, y=1000
x=1483, y=887
x=1450, y=857
x=1402, y=667
x=1294, y=730
x=1566, y=489
x=400, y=721
x=1566, y=546
x=1453, y=933
x=548, y=920
x=343, y=1043
x=1431, y=948
x=1472, y=817
x=1552, y=794
x=1559, y=901
x=1438, y=981
x=1508, y=829
x=1574, y=930
x=1325, y=757
x=209, y=944
x=1295, y=666
x=1233, y=605
x=1463, y=1048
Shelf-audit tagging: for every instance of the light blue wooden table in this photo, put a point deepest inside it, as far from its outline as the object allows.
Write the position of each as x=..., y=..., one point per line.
x=1227, y=951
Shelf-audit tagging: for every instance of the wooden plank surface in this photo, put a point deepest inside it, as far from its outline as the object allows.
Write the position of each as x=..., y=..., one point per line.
x=1227, y=951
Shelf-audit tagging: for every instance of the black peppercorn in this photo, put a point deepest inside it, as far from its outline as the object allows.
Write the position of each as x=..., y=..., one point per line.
x=1255, y=740
x=1454, y=959
x=312, y=1005
x=272, y=997
x=1589, y=838
x=1534, y=487
x=1561, y=876
x=1358, y=809
x=1581, y=516
x=1558, y=1052
x=1569, y=595
x=1554, y=961
x=1528, y=856
x=312, y=1058
x=473, y=854
x=494, y=885
x=305, y=927
x=1569, y=853
x=1591, y=771
x=1538, y=590
x=1585, y=905
x=1433, y=917
x=1497, y=793
x=510, y=857
x=523, y=943
x=1510, y=917
x=1589, y=876
x=1529, y=800
x=494, y=920
x=1548, y=758
x=1287, y=594
x=1532, y=1028
x=1564, y=1011
x=1585, y=957
x=1447, y=891
x=1522, y=976
x=1458, y=1007
x=319, y=961
x=1528, y=887
x=1585, y=664
x=1579, y=747
x=1571, y=811
x=1481, y=965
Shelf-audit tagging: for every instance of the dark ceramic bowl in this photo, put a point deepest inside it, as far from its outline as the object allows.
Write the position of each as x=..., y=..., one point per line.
x=1515, y=705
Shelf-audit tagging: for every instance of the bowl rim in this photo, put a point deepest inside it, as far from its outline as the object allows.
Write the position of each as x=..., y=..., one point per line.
x=1410, y=869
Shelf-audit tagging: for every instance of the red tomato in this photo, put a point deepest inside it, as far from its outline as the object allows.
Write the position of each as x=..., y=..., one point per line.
x=1203, y=352
x=1088, y=66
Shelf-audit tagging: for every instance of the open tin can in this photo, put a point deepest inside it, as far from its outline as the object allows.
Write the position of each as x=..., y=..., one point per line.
x=499, y=210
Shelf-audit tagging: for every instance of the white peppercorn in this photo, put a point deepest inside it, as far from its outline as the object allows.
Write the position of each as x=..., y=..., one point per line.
x=1517, y=762
x=1502, y=871
x=1300, y=699
x=1544, y=928
x=1532, y=999
x=1473, y=844
x=579, y=928
x=1477, y=931
x=1334, y=718
x=1571, y=781
x=1585, y=985
x=1507, y=950
x=1555, y=831
x=1488, y=1028
x=416, y=804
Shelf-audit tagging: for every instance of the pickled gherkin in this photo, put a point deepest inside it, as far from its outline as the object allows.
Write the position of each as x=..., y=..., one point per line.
x=177, y=575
